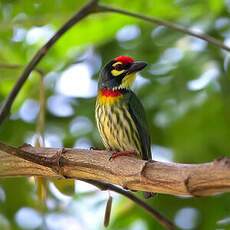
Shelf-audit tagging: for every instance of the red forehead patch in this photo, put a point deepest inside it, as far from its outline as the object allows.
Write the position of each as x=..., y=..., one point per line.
x=124, y=59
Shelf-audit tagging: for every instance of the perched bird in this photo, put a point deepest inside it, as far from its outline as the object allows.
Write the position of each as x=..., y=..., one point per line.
x=120, y=116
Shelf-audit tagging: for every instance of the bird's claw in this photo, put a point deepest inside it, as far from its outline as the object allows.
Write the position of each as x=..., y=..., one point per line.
x=124, y=153
x=95, y=148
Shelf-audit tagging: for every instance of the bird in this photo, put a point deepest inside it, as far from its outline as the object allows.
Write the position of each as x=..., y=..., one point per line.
x=119, y=114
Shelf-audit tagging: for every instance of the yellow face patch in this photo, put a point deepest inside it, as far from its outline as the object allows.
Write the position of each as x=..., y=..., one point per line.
x=117, y=72
x=116, y=63
x=127, y=81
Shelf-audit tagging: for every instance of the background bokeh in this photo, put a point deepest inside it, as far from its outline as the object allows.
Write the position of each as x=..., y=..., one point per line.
x=185, y=90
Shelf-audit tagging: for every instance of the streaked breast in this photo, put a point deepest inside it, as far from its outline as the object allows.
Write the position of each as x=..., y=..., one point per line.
x=117, y=128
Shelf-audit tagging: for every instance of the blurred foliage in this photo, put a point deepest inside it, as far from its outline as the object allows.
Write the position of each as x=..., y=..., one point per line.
x=185, y=90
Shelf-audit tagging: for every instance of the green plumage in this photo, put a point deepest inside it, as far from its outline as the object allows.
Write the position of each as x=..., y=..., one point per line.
x=123, y=126
x=137, y=112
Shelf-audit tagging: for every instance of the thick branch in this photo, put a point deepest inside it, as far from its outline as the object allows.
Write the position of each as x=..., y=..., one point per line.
x=52, y=158
x=16, y=66
x=130, y=173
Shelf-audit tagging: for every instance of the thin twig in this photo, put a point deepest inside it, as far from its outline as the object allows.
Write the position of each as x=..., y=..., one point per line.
x=41, y=116
x=158, y=216
x=82, y=13
x=41, y=182
x=105, y=8
x=108, y=210
x=17, y=66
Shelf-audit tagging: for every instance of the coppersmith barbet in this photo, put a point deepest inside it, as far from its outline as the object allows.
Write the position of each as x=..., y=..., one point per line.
x=120, y=116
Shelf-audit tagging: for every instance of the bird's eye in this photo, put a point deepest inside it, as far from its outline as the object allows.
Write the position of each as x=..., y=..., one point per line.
x=118, y=67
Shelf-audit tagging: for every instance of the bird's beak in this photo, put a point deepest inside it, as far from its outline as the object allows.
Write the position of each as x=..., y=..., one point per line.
x=136, y=67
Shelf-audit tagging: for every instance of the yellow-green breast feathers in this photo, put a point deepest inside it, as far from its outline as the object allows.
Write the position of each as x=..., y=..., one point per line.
x=116, y=126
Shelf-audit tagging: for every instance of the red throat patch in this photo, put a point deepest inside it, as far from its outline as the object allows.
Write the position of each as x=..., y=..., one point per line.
x=111, y=93
x=124, y=59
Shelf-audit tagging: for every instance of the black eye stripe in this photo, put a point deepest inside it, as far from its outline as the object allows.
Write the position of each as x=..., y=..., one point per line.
x=118, y=67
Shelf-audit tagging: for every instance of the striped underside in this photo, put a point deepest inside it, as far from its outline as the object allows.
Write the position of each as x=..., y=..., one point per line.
x=116, y=126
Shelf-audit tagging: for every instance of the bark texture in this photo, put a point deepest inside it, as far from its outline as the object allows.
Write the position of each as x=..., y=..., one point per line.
x=128, y=172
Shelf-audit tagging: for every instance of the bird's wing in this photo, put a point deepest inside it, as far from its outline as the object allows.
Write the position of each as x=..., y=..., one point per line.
x=137, y=112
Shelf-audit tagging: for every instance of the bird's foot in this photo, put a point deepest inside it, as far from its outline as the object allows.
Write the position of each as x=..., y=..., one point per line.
x=96, y=148
x=125, y=153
